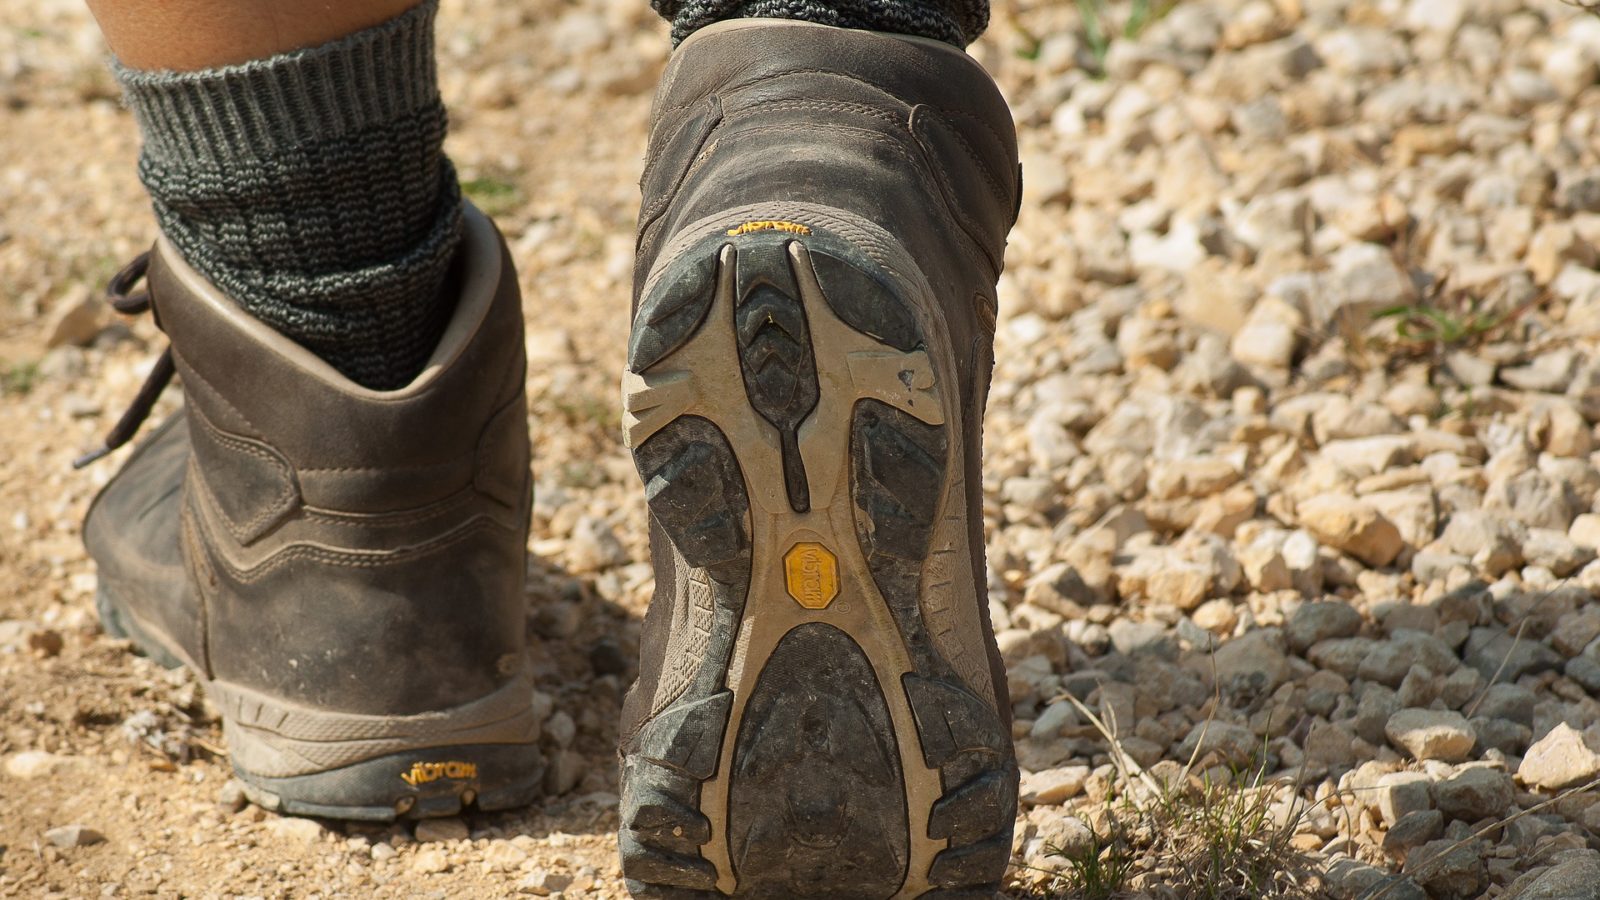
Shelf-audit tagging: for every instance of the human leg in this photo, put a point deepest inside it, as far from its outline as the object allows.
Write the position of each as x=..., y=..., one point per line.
x=299, y=165
x=189, y=35
x=333, y=531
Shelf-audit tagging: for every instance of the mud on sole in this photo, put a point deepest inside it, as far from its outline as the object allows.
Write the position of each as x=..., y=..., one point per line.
x=383, y=768
x=819, y=727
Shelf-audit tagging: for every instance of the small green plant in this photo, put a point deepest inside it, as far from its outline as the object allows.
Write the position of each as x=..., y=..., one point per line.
x=1145, y=12
x=1437, y=318
x=1031, y=44
x=1187, y=833
x=1422, y=329
x=1243, y=850
x=1099, y=23
x=1093, y=13
x=496, y=195
x=1098, y=871
x=1202, y=838
x=19, y=378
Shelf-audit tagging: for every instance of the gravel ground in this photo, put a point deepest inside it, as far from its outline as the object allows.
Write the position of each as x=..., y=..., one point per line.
x=1292, y=462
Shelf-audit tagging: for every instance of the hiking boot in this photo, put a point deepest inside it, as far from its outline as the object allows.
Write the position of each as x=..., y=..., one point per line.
x=821, y=711
x=342, y=567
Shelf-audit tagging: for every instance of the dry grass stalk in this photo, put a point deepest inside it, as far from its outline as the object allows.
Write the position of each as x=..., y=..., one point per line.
x=1184, y=835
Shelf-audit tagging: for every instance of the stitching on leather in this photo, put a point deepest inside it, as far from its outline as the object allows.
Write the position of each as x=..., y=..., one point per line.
x=658, y=144
x=988, y=175
x=285, y=498
x=946, y=182
x=194, y=560
x=481, y=462
x=832, y=73
x=899, y=147
x=194, y=375
x=874, y=136
x=248, y=707
x=961, y=222
x=802, y=103
x=452, y=461
x=695, y=165
x=901, y=123
x=947, y=192
x=981, y=123
x=379, y=520
x=730, y=90
x=399, y=731
x=417, y=467
x=359, y=561
x=376, y=521
x=733, y=88
x=714, y=117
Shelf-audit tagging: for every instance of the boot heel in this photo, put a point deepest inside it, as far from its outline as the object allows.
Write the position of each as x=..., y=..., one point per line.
x=438, y=781
x=305, y=761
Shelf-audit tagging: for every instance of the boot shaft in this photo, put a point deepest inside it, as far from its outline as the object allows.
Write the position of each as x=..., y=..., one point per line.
x=330, y=532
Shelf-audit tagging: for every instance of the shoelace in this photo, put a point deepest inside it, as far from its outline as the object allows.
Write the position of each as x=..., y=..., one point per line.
x=123, y=299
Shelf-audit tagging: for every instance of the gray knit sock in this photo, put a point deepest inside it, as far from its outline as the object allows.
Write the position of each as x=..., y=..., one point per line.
x=312, y=189
x=957, y=22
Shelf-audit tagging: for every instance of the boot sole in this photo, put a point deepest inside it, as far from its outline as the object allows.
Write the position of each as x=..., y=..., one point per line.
x=819, y=727
x=487, y=769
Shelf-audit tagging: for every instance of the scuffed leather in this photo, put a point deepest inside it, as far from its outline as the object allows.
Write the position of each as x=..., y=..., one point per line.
x=341, y=548
x=905, y=133
x=261, y=490
x=911, y=135
x=133, y=534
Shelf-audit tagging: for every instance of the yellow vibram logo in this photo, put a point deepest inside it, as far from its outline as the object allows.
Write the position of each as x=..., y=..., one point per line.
x=769, y=225
x=424, y=772
x=811, y=575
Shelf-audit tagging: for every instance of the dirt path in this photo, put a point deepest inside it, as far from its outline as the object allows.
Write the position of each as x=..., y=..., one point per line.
x=1229, y=506
x=547, y=143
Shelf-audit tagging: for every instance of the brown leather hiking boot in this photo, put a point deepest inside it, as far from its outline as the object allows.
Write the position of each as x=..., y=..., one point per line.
x=820, y=711
x=343, y=567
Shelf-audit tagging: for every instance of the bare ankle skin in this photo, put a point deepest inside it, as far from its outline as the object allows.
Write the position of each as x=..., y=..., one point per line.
x=186, y=35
